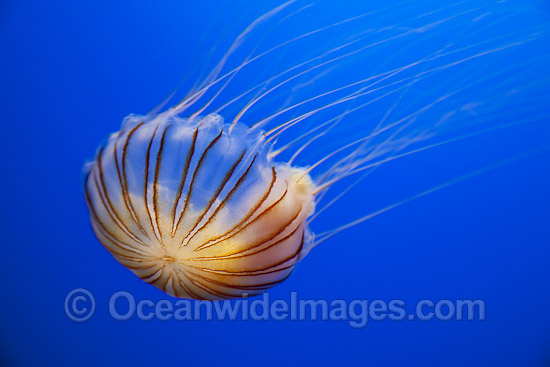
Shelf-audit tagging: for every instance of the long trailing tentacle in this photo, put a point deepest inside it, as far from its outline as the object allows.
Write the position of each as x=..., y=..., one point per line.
x=215, y=78
x=322, y=237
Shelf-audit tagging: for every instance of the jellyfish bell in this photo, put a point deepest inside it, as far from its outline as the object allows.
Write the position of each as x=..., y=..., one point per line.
x=207, y=208
x=197, y=208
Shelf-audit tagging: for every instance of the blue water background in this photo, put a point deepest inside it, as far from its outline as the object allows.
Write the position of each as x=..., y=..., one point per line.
x=71, y=70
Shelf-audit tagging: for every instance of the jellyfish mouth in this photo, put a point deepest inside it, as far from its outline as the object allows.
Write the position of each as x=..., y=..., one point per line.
x=168, y=259
x=172, y=264
x=170, y=256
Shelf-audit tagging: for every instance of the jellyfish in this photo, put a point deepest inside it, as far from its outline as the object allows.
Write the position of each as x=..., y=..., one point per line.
x=202, y=205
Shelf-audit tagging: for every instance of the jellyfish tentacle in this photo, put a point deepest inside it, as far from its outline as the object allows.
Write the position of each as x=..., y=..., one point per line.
x=326, y=235
x=194, y=97
x=213, y=77
x=325, y=185
x=384, y=76
x=217, y=94
x=275, y=77
x=336, y=198
x=273, y=134
x=322, y=188
x=345, y=147
x=397, y=122
x=256, y=99
x=423, y=74
x=333, y=121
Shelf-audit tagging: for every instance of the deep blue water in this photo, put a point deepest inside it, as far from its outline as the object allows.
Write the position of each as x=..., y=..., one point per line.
x=72, y=70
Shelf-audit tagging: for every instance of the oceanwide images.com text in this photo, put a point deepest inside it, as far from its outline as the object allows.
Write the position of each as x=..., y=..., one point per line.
x=80, y=306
